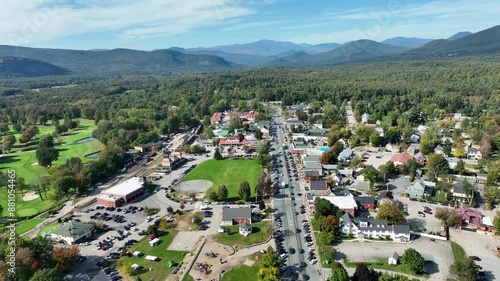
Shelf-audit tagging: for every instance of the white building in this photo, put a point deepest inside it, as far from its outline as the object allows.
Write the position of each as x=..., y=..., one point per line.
x=371, y=228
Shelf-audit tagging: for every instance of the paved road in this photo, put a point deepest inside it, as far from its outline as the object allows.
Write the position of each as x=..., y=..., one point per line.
x=350, y=116
x=289, y=208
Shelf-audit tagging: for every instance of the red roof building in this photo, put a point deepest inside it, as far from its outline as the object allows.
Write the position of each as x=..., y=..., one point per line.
x=471, y=217
x=401, y=158
x=216, y=118
x=231, y=141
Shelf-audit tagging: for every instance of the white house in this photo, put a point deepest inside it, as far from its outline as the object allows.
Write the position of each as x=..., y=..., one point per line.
x=380, y=131
x=439, y=149
x=245, y=229
x=421, y=129
x=345, y=155
x=393, y=259
x=365, y=118
x=474, y=153
x=72, y=232
x=392, y=147
x=371, y=228
x=415, y=138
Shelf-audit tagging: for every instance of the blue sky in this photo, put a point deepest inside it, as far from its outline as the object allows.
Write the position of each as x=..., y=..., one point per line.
x=158, y=24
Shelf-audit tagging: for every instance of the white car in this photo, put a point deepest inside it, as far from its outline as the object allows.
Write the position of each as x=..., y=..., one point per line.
x=314, y=261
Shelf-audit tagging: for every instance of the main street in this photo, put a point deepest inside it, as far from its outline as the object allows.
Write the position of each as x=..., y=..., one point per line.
x=287, y=203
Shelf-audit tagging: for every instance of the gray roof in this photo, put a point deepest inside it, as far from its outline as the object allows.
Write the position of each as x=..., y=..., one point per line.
x=401, y=228
x=246, y=226
x=317, y=132
x=72, y=229
x=318, y=185
x=229, y=214
x=395, y=256
x=457, y=187
x=364, y=200
x=346, y=153
x=341, y=192
x=313, y=165
x=312, y=173
x=312, y=158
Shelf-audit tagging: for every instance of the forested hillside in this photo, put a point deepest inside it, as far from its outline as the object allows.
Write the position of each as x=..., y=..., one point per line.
x=134, y=105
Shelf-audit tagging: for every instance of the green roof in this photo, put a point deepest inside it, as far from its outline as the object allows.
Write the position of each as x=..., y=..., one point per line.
x=72, y=229
x=223, y=133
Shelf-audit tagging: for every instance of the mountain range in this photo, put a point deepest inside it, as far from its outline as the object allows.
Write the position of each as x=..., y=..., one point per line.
x=23, y=61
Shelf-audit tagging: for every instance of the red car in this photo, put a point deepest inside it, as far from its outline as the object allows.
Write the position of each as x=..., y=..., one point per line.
x=369, y=151
x=152, y=237
x=413, y=199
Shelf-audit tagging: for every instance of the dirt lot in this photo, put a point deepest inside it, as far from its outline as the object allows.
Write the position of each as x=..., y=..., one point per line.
x=185, y=241
x=213, y=258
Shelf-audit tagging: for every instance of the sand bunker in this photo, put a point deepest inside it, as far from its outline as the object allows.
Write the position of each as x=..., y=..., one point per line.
x=30, y=196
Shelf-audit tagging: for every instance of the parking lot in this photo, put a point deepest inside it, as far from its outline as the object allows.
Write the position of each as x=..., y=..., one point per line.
x=121, y=224
x=438, y=253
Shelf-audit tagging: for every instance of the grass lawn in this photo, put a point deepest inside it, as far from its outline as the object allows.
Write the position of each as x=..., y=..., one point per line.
x=260, y=233
x=242, y=272
x=229, y=172
x=49, y=228
x=25, y=208
x=160, y=268
x=24, y=162
x=315, y=224
x=27, y=225
x=440, y=197
x=187, y=277
x=458, y=251
x=382, y=264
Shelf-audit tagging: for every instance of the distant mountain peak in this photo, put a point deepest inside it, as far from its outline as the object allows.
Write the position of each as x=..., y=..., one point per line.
x=459, y=35
x=407, y=42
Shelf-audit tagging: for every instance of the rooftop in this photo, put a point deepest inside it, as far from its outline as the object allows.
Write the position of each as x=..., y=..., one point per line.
x=231, y=213
x=318, y=185
x=126, y=187
x=401, y=158
x=72, y=229
x=342, y=202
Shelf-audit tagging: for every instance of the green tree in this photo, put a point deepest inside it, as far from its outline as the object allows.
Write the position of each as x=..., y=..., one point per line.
x=376, y=140
x=448, y=218
x=217, y=155
x=437, y=165
x=222, y=193
x=469, y=190
x=197, y=220
x=45, y=156
x=64, y=184
x=464, y=270
x=263, y=159
x=339, y=273
x=47, y=274
x=258, y=134
x=127, y=269
x=213, y=196
x=429, y=141
x=322, y=208
x=460, y=168
x=496, y=222
x=413, y=260
x=244, y=191
x=391, y=211
x=491, y=195
x=372, y=176
x=363, y=273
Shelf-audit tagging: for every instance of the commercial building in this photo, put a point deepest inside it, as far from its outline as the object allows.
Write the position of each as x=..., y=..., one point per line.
x=124, y=192
x=232, y=216
x=72, y=232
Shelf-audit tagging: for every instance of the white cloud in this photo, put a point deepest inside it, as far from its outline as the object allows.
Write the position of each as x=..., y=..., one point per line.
x=252, y=25
x=438, y=19
x=398, y=8
x=29, y=21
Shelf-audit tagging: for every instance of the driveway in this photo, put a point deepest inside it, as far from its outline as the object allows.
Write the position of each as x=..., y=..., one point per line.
x=438, y=253
x=481, y=245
